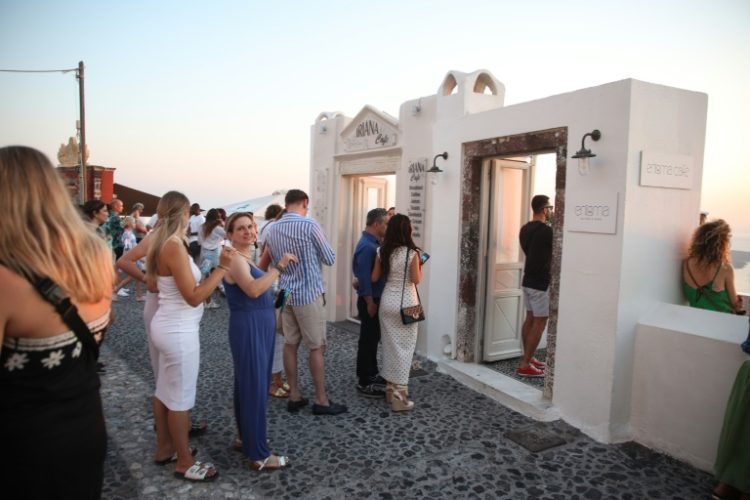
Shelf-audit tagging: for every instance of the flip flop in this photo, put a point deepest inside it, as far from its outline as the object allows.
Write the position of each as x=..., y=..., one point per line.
x=173, y=458
x=197, y=428
x=198, y=472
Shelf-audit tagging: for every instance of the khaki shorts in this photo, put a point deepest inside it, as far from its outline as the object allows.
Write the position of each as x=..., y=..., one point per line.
x=306, y=323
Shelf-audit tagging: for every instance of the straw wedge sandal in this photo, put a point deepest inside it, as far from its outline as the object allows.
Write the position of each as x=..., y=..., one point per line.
x=400, y=399
x=267, y=463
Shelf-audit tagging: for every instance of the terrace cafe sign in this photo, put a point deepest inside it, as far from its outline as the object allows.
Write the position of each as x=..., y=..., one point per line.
x=369, y=130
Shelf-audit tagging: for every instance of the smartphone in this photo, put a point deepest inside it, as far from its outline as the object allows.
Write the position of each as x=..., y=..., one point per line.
x=423, y=257
x=281, y=299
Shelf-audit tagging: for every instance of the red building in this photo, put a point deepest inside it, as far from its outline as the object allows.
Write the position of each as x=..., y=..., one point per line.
x=99, y=182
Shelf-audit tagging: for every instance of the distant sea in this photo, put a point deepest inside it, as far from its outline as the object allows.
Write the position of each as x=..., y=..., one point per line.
x=741, y=261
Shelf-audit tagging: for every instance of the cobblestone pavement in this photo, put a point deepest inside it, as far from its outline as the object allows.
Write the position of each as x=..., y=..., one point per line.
x=508, y=368
x=451, y=446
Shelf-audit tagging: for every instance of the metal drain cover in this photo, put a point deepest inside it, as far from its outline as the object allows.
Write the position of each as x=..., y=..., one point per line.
x=534, y=439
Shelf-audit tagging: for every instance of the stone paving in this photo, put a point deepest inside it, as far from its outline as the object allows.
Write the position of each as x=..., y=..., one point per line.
x=451, y=446
x=508, y=368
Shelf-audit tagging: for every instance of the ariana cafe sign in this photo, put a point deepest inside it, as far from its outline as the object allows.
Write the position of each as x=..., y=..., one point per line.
x=370, y=133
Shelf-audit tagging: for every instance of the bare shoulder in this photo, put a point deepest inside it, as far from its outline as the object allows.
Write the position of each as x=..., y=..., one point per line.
x=10, y=285
x=727, y=268
x=23, y=312
x=8, y=277
x=174, y=245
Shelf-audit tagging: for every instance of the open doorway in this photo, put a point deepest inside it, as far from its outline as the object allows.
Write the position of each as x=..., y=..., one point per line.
x=474, y=258
x=509, y=185
x=366, y=192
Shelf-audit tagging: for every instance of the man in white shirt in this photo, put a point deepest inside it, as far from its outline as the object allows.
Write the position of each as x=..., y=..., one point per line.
x=194, y=226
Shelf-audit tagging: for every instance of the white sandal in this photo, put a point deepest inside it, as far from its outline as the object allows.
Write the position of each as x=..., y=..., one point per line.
x=259, y=465
x=198, y=472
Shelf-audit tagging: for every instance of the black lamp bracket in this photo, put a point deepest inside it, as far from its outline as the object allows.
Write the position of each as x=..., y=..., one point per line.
x=586, y=153
x=435, y=169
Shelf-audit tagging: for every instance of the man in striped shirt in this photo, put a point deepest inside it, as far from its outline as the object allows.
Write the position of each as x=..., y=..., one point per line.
x=303, y=318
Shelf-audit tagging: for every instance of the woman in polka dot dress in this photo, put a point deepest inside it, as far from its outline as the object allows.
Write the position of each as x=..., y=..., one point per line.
x=397, y=260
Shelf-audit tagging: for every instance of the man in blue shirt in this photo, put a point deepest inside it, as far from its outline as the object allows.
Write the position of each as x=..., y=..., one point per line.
x=304, y=317
x=370, y=383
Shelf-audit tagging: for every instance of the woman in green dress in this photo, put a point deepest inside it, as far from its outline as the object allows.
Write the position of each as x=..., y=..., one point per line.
x=707, y=273
x=708, y=283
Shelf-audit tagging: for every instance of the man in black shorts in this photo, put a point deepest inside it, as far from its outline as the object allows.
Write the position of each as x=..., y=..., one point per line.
x=536, y=242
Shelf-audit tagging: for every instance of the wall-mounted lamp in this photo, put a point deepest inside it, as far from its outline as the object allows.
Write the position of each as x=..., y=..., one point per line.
x=584, y=154
x=435, y=169
x=417, y=108
x=323, y=128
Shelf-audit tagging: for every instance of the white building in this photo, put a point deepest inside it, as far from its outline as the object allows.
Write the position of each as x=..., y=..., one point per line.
x=625, y=359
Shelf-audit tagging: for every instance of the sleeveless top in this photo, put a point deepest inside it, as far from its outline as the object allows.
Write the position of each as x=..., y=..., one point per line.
x=705, y=297
x=171, y=300
x=239, y=301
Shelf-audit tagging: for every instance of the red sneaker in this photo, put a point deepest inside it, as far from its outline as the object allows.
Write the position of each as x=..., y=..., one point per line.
x=539, y=364
x=530, y=371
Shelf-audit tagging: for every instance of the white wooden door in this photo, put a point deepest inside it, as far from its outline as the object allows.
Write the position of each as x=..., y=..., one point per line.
x=508, y=205
x=367, y=193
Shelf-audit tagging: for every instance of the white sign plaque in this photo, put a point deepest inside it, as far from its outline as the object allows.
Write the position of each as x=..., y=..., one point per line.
x=592, y=211
x=370, y=133
x=416, y=208
x=666, y=170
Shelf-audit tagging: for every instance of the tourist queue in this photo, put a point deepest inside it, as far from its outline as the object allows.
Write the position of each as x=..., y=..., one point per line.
x=57, y=276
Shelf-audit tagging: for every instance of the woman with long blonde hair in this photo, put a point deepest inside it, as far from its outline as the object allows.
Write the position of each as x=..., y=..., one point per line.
x=51, y=419
x=707, y=273
x=174, y=333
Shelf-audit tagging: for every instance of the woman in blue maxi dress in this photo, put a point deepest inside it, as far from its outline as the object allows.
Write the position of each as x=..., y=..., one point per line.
x=252, y=331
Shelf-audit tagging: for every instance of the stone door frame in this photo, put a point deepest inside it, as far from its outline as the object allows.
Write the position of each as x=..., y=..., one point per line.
x=470, y=297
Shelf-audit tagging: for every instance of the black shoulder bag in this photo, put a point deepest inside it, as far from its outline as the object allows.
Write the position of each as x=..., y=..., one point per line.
x=411, y=314
x=53, y=294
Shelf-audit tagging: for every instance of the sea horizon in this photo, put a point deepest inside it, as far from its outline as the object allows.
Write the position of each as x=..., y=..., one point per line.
x=741, y=261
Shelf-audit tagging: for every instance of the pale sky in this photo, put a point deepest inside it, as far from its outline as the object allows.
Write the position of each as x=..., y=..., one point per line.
x=216, y=99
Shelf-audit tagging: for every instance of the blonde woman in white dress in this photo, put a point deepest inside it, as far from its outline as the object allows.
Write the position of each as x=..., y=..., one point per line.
x=174, y=333
x=398, y=260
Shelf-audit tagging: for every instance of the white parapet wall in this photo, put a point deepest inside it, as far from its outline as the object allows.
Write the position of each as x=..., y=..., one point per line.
x=686, y=360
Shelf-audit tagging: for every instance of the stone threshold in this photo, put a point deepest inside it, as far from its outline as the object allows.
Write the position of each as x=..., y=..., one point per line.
x=517, y=396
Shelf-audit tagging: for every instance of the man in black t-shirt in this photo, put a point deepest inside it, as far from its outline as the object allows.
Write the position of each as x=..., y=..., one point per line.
x=536, y=242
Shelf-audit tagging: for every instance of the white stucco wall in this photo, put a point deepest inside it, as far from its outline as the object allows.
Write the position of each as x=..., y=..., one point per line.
x=686, y=361
x=605, y=284
x=608, y=281
x=658, y=221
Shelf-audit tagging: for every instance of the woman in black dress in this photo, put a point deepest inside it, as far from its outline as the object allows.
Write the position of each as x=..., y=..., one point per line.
x=52, y=431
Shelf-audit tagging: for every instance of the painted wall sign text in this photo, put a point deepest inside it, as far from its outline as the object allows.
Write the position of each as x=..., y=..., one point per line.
x=371, y=133
x=417, y=173
x=592, y=212
x=666, y=170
